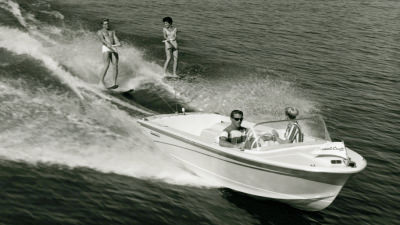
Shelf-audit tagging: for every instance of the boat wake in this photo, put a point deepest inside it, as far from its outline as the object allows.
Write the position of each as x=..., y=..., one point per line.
x=83, y=127
x=78, y=124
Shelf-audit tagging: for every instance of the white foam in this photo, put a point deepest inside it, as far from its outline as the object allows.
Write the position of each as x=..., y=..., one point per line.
x=127, y=153
x=55, y=130
x=14, y=9
x=80, y=52
x=21, y=43
x=115, y=143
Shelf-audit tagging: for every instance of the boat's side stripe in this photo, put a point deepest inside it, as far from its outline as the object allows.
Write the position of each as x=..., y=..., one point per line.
x=224, y=159
x=252, y=187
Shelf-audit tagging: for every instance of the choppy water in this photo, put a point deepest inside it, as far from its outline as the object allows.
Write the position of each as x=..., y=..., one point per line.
x=68, y=155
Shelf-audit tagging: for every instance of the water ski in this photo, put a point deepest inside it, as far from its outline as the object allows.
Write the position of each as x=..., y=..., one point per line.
x=118, y=90
x=115, y=86
x=172, y=78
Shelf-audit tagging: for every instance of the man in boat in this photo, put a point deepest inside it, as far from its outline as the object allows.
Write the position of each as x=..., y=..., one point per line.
x=234, y=135
x=293, y=132
x=109, y=50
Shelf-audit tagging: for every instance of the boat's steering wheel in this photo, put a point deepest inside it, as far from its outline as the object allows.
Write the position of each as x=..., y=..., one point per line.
x=253, y=141
x=256, y=141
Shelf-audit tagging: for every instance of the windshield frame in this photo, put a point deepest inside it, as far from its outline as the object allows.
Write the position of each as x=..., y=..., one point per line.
x=317, y=118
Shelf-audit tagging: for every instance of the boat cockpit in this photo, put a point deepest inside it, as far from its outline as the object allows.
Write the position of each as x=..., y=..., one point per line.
x=260, y=135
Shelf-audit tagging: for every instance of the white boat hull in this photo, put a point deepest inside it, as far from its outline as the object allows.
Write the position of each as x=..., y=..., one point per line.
x=271, y=174
x=303, y=190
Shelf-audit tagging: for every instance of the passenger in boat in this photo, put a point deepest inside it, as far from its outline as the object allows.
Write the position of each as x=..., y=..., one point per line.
x=234, y=135
x=171, y=46
x=110, y=42
x=293, y=132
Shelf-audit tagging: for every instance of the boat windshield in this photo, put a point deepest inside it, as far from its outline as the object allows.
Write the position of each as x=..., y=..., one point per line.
x=312, y=129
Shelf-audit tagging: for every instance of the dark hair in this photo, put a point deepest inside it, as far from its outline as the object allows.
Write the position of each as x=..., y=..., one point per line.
x=105, y=20
x=290, y=116
x=167, y=19
x=236, y=111
x=291, y=112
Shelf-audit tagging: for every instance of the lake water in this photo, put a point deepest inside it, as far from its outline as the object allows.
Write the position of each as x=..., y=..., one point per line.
x=67, y=160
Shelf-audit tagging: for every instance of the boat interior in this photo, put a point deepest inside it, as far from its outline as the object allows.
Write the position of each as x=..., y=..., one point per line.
x=208, y=127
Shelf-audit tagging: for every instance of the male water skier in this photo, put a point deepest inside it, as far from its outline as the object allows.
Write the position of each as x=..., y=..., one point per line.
x=293, y=132
x=110, y=41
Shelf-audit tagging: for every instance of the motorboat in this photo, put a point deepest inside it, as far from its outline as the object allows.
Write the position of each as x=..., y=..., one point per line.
x=307, y=175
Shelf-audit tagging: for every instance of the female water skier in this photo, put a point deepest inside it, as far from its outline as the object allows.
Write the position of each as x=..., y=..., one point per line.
x=110, y=54
x=171, y=46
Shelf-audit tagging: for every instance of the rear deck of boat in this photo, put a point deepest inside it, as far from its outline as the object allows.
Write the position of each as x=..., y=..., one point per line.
x=207, y=127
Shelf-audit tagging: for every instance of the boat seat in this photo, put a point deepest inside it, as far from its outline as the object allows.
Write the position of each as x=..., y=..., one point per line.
x=211, y=134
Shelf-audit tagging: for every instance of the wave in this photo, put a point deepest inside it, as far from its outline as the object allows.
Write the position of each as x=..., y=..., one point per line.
x=87, y=131
x=90, y=130
x=44, y=127
x=27, y=20
x=21, y=43
x=79, y=51
x=259, y=94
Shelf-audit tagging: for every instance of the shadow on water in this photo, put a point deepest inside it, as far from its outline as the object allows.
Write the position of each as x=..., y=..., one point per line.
x=269, y=211
x=57, y=194
x=156, y=100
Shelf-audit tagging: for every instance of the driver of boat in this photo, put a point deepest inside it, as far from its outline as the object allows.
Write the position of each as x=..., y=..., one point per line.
x=293, y=132
x=234, y=135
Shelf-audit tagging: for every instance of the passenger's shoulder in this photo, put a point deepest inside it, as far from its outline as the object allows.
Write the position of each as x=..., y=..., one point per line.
x=228, y=128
